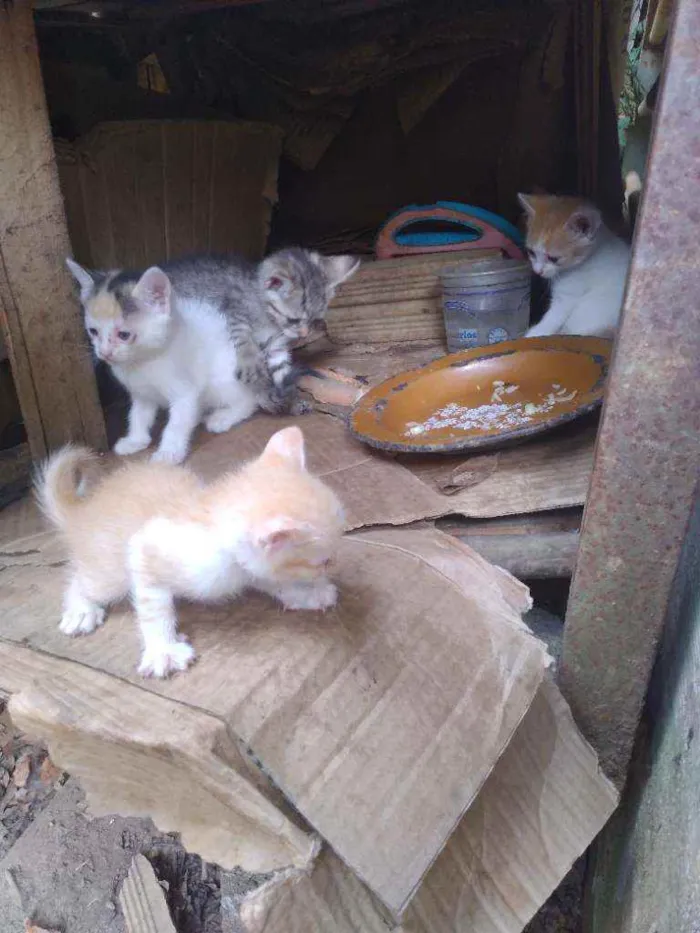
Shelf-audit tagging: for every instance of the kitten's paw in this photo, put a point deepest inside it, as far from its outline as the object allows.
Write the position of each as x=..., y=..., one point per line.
x=251, y=373
x=301, y=407
x=319, y=597
x=221, y=420
x=131, y=445
x=82, y=621
x=165, y=659
x=169, y=455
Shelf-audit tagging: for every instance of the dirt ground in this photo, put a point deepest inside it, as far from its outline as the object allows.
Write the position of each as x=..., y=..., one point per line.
x=62, y=869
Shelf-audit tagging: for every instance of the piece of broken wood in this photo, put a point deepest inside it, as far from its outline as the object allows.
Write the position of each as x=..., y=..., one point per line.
x=333, y=387
x=142, y=900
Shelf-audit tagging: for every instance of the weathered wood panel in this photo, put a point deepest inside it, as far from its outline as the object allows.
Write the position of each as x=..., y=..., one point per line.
x=157, y=189
x=39, y=316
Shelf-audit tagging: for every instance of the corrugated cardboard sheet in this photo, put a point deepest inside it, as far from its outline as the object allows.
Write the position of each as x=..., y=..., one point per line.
x=380, y=490
x=539, y=809
x=380, y=720
x=377, y=720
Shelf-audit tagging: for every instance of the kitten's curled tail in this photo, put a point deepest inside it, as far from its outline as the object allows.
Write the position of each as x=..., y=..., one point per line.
x=58, y=486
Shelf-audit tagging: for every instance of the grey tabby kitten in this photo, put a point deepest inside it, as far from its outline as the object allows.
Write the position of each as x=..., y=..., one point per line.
x=271, y=306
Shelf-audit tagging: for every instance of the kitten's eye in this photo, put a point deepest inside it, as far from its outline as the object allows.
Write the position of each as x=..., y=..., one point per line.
x=553, y=259
x=530, y=252
x=92, y=331
x=293, y=321
x=123, y=334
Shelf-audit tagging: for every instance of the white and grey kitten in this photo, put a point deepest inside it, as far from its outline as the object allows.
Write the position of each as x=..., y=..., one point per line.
x=199, y=338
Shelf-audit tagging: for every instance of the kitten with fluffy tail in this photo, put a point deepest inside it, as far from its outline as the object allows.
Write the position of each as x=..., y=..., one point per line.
x=155, y=532
x=569, y=245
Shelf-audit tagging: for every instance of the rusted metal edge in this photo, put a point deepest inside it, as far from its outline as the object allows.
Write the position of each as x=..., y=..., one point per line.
x=648, y=451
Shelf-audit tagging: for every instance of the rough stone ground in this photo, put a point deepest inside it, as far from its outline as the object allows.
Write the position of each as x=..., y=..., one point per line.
x=62, y=869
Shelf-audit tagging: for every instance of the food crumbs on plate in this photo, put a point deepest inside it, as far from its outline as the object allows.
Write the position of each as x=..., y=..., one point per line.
x=498, y=414
x=500, y=388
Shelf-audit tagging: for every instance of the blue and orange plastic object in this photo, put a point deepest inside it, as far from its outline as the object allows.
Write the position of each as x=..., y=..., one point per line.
x=472, y=228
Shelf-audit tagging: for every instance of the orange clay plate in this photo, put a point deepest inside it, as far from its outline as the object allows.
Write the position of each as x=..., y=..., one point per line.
x=486, y=396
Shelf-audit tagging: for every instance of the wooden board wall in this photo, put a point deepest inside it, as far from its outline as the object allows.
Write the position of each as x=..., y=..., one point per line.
x=39, y=316
x=142, y=191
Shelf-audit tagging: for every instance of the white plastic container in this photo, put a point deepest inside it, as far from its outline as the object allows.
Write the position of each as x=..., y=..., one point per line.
x=485, y=302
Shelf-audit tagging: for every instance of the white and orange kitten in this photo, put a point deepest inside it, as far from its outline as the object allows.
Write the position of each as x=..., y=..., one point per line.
x=155, y=532
x=569, y=244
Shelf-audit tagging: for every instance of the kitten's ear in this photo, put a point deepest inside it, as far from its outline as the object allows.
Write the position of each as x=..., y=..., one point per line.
x=527, y=203
x=152, y=291
x=85, y=279
x=288, y=445
x=280, y=532
x=276, y=278
x=339, y=268
x=585, y=222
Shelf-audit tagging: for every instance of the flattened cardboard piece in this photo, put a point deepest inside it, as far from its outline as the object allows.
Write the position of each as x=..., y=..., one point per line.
x=374, y=489
x=541, y=807
x=379, y=720
x=552, y=473
x=417, y=748
x=127, y=745
x=380, y=490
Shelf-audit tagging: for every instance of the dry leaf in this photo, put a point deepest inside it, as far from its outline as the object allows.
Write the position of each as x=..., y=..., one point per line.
x=23, y=769
x=49, y=773
x=29, y=927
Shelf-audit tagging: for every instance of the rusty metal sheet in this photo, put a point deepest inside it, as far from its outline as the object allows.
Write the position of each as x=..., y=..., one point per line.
x=648, y=451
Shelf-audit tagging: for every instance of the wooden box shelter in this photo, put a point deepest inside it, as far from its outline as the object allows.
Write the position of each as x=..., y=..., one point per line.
x=644, y=473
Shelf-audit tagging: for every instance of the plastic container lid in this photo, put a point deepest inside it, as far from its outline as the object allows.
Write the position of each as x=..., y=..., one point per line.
x=485, y=271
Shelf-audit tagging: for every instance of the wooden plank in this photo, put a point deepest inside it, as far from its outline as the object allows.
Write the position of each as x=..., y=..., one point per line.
x=244, y=170
x=95, y=182
x=149, y=157
x=142, y=900
x=529, y=557
x=178, y=175
x=40, y=318
x=156, y=189
x=68, y=161
x=202, y=185
x=395, y=301
x=124, y=208
x=531, y=547
x=514, y=525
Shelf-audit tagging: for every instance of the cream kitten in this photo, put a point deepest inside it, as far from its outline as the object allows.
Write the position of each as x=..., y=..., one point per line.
x=156, y=532
x=569, y=244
